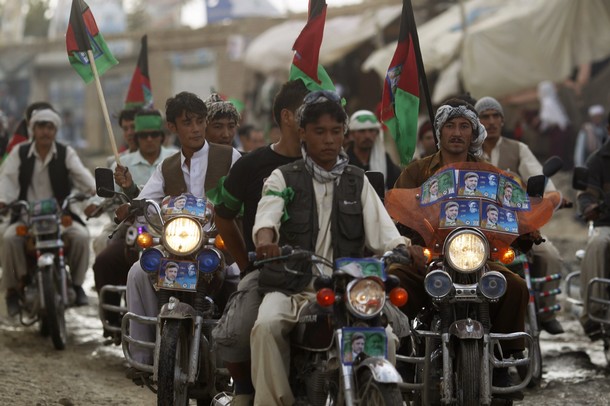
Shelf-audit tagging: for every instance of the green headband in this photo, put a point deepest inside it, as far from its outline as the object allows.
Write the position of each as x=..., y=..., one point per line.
x=148, y=122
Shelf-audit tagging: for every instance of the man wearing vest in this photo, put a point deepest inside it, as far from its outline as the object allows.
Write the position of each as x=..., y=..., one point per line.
x=37, y=170
x=321, y=204
x=195, y=169
x=113, y=262
x=514, y=156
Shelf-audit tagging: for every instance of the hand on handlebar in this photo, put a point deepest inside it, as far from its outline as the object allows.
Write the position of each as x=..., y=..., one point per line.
x=265, y=251
x=121, y=213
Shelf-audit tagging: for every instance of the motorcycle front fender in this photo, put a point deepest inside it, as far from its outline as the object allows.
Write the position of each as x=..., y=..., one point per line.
x=45, y=260
x=467, y=329
x=177, y=311
x=381, y=369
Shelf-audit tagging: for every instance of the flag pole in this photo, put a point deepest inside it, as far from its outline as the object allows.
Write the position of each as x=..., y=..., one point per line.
x=100, y=95
x=420, y=64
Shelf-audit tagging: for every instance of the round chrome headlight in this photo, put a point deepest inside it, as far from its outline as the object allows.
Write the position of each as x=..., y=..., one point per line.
x=466, y=251
x=492, y=285
x=182, y=235
x=438, y=284
x=365, y=297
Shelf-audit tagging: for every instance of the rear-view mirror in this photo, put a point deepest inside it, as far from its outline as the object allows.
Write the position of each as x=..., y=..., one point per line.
x=580, y=179
x=104, y=182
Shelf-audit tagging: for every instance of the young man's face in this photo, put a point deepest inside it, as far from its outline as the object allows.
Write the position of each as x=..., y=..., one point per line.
x=190, y=129
x=149, y=143
x=44, y=133
x=221, y=131
x=364, y=139
x=428, y=143
x=434, y=188
x=129, y=131
x=508, y=193
x=493, y=121
x=324, y=139
x=456, y=136
x=257, y=140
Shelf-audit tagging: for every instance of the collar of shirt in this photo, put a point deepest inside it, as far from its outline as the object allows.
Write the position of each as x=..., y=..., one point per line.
x=49, y=156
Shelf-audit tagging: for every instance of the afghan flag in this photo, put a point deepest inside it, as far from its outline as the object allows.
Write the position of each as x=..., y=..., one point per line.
x=83, y=35
x=307, y=50
x=140, y=94
x=400, y=100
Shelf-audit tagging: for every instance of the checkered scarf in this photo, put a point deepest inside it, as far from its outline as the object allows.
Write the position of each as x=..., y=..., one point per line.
x=322, y=175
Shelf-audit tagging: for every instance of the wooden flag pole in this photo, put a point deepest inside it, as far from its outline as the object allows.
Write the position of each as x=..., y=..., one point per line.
x=100, y=95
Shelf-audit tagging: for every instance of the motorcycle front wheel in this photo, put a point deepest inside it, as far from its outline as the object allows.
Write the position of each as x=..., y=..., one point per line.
x=371, y=392
x=173, y=365
x=54, y=319
x=468, y=373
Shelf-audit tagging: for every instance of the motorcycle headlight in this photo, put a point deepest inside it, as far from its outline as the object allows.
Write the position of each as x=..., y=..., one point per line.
x=492, y=285
x=438, y=284
x=466, y=251
x=45, y=226
x=182, y=235
x=208, y=260
x=150, y=260
x=365, y=297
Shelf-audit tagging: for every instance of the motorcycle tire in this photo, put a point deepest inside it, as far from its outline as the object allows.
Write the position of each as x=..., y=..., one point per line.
x=468, y=372
x=173, y=365
x=54, y=313
x=373, y=393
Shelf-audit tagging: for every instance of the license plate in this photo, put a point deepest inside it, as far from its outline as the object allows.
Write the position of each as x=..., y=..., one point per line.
x=177, y=275
x=371, y=341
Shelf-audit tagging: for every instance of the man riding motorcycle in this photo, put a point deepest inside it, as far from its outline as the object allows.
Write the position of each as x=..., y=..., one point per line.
x=112, y=263
x=34, y=171
x=460, y=138
x=514, y=156
x=333, y=211
x=195, y=169
x=595, y=262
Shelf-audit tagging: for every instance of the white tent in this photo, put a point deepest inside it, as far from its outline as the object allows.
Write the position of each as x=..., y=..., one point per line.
x=272, y=50
x=509, y=45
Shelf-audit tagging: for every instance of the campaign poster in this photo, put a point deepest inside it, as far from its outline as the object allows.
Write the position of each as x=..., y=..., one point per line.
x=358, y=343
x=496, y=218
x=511, y=195
x=477, y=184
x=361, y=267
x=186, y=204
x=180, y=275
x=441, y=185
x=456, y=213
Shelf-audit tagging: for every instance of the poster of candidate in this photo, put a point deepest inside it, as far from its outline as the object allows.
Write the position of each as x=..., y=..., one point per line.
x=441, y=185
x=455, y=213
x=512, y=195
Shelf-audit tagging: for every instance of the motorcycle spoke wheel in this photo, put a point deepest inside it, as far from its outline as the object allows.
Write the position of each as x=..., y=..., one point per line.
x=468, y=373
x=54, y=313
x=373, y=393
x=173, y=365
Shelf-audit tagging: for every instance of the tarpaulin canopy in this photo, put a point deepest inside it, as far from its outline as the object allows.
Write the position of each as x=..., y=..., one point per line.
x=272, y=50
x=510, y=45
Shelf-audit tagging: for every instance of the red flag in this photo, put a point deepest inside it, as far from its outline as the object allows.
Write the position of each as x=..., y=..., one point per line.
x=400, y=100
x=82, y=36
x=140, y=93
x=305, y=64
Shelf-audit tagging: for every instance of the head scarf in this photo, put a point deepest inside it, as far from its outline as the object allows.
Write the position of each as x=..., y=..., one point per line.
x=447, y=112
x=218, y=107
x=551, y=110
x=365, y=120
x=43, y=115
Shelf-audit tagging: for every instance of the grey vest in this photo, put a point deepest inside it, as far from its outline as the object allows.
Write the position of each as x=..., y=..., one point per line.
x=508, y=159
x=347, y=224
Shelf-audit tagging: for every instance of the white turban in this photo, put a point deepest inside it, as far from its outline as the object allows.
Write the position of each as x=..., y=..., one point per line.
x=447, y=112
x=43, y=115
x=365, y=120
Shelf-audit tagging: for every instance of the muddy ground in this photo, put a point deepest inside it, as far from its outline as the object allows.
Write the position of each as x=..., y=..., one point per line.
x=32, y=372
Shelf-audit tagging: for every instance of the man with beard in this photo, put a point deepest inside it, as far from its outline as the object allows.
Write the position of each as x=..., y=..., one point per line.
x=514, y=156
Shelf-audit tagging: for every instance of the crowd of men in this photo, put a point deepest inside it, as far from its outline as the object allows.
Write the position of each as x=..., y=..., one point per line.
x=321, y=156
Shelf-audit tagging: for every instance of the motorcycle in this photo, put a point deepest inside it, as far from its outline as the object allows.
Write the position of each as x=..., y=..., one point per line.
x=47, y=289
x=186, y=266
x=348, y=306
x=452, y=351
x=597, y=288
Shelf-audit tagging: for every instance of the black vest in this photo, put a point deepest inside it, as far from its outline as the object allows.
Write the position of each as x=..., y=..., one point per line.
x=347, y=223
x=58, y=172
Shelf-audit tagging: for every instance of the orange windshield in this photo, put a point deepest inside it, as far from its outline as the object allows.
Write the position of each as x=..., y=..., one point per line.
x=416, y=209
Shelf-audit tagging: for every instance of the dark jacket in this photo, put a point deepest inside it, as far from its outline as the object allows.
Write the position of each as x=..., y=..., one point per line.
x=599, y=176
